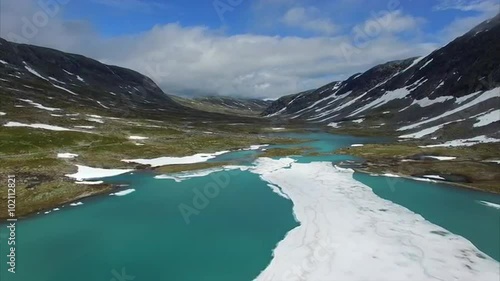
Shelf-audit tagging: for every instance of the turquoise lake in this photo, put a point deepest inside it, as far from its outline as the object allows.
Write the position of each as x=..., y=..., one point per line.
x=231, y=236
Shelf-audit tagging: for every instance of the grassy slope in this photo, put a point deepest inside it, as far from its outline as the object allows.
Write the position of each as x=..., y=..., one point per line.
x=469, y=163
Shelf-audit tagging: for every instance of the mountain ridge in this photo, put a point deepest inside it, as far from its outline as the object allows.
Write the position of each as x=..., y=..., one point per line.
x=397, y=93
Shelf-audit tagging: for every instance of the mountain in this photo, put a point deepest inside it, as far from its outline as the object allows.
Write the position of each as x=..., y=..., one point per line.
x=451, y=93
x=223, y=104
x=67, y=80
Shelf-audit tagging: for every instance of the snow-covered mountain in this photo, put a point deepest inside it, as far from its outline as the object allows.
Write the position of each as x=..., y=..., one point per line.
x=454, y=92
x=64, y=80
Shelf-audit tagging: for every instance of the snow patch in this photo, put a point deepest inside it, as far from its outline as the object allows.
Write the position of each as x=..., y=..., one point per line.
x=32, y=71
x=89, y=182
x=64, y=89
x=334, y=125
x=137, y=138
x=489, y=204
x=67, y=155
x=54, y=79
x=123, y=192
x=465, y=142
x=428, y=102
x=442, y=158
x=488, y=118
x=39, y=106
x=434, y=177
x=40, y=126
x=163, y=161
x=483, y=97
x=88, y=173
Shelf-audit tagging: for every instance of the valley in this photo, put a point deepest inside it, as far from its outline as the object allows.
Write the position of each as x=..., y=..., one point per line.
x=396, y=168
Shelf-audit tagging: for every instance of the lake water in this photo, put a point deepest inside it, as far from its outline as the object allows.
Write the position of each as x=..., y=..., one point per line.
x=166, y=230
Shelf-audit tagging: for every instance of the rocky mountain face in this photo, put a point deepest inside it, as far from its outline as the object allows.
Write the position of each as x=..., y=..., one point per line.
x=452, y=93
x=67, y=80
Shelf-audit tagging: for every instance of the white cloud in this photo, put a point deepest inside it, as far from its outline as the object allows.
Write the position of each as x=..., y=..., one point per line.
x=483, y=9
x=309, y=18
x=485, y=6
x=199, y=60
x=390, y=22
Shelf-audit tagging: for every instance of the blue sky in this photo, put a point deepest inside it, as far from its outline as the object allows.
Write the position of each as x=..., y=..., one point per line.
x=259, y=48
x=121, y=17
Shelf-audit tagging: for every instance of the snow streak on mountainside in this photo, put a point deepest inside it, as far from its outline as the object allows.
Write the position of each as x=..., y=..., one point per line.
x=457, y=86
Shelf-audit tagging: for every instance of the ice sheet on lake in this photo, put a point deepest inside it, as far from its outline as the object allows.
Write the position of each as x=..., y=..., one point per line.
x=347, y=232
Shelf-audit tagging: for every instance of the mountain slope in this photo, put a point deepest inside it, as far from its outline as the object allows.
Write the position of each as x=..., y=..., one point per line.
x=77, y=80
x=229, y=105
x=451, y=93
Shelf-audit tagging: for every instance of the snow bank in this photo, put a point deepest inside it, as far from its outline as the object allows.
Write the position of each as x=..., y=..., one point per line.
x=163, y=161
x=256, y=147
x=40, y=126
x=34, y=72
x=67, y=155
x=488, y=118
x=489, y=204
x=39, y=106
x=493, y=93
x=96, y=120
x=347, y=232
x=434, y=177
x=442, y=158
x=123, y=192
x=2, y=113
x=465, y=142
x=89, y=182
x=85, y=127
x=87, y=173
x=334, y=125
x=137, y=138
x=64, y=89
x=357, y=145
